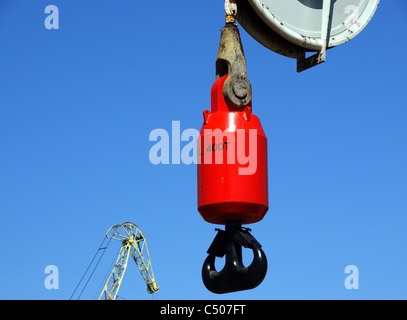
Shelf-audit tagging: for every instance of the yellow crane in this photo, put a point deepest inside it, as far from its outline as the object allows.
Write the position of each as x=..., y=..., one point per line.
x=135, y=244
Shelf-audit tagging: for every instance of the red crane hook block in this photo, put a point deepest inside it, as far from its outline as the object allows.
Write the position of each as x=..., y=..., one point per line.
x=232, y=185
x=232, y=162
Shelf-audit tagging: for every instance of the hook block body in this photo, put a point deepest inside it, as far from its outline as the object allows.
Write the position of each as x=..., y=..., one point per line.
x=232, y=162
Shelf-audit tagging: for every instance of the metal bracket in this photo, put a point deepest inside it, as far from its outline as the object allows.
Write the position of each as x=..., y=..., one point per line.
x=305, y=63
x=231, y=61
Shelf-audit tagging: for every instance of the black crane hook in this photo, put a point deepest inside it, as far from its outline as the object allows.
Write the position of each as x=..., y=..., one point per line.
x=234, y=276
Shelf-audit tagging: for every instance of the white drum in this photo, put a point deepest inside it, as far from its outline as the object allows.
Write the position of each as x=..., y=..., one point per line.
x=291, y=27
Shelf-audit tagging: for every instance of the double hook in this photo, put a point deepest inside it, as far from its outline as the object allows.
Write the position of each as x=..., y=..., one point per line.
x=234, y=276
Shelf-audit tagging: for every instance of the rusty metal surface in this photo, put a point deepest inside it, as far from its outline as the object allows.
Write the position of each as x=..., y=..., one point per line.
x=231, y=61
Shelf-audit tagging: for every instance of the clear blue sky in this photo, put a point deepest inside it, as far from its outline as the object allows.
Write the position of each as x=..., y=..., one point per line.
x=77, y=106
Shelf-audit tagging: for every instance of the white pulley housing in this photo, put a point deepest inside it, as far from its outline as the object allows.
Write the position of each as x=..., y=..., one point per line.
x=293, y=27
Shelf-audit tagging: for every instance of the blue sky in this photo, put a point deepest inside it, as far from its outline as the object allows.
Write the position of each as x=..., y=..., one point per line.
x=77, y=106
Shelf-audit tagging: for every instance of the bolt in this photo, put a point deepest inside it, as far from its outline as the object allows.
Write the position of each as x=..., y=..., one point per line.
x=240, y=89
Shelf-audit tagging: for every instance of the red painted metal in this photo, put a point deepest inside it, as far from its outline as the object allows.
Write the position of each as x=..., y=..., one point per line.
x=235, y=186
